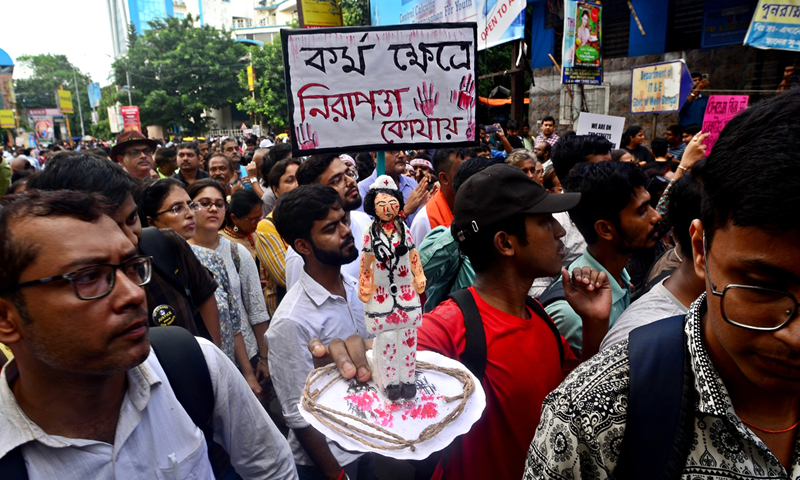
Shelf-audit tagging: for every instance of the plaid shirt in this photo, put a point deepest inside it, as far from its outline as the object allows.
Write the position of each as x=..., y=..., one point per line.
x=552, y=139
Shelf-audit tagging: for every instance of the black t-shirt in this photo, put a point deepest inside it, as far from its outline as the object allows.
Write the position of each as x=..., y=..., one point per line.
x=641, y=154
x=516, y=141
x=174, y=301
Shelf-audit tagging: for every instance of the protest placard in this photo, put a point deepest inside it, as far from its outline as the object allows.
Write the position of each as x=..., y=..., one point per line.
x=603, y=126
x=381, y=88
x=660, y=87
x=719, y=111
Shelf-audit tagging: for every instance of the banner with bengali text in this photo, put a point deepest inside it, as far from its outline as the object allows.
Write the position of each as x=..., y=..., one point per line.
x=381, y=88
x=775, y=25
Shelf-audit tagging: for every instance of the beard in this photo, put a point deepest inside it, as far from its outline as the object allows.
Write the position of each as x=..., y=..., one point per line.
x=336, y=258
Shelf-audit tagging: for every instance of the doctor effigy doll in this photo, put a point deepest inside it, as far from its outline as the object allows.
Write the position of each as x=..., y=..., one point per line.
x=389, y=283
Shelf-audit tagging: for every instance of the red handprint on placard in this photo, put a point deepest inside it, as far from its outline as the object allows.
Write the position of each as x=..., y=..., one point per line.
x=426, y=100
x=402, y=271
x=406, y=293
x=307, y=140
x=380, y=295
x=464, y=97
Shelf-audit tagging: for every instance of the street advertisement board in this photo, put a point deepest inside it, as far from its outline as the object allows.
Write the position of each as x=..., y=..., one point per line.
x=381, y=88
x=660, y=87
x=65, y=101
x=606, y=126
x=499, y=21
x=94, y=94
x=775, y=25
x=7, y=118
x=725, y=22
x=582, y=45
x=720, y=110
x=130, y=118
x=114, y=119
x=319, y=14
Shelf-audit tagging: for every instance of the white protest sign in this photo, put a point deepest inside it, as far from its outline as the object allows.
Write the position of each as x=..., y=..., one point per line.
x=381, y=88
x=602, y=126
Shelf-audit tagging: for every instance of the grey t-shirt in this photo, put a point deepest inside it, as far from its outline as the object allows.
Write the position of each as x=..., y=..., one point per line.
x=269, y=200
x=655, y=305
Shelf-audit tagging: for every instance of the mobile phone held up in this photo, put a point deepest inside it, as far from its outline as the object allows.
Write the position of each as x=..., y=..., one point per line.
x=704, y=77
x=492, y=129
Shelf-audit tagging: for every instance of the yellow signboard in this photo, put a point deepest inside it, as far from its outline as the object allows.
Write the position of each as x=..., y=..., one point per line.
x=6, y=118
x=251, y=78
x=65, y=101
x=319, y=13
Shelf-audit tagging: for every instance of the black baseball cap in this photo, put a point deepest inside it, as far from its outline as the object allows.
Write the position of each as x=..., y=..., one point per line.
x=499, y=192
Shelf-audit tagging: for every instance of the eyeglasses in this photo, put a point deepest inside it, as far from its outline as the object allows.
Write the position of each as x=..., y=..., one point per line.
x=97, y=281
x=352, y=173
x=181, y=209
x=254, y=219
x=753, y=308
x=135, y=153
x=338, y=181
x=221, y=205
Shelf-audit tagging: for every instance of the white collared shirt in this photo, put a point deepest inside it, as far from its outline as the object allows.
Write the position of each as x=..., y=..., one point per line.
x=308, y=310
x=153, y=425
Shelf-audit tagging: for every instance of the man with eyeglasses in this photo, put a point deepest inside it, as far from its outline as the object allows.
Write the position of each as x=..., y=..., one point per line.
x=134, y=152
x=741, y=338
x=542, y=151
x=85, y=396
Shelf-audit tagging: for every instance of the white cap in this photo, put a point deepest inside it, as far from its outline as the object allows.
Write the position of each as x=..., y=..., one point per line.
x=266, y=143
x=384, y=181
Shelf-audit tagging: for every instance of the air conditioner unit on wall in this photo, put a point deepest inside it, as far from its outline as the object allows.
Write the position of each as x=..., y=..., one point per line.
x=596, y=97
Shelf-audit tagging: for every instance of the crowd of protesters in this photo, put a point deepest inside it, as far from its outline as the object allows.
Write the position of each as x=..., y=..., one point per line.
x=609, y=351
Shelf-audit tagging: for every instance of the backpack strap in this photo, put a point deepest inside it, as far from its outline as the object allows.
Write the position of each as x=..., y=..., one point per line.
x=13, y=465
x=553, y=293
x=183, y=361
x=154, y=244
x=660, y=418
x=474, y=357
x=538, y=309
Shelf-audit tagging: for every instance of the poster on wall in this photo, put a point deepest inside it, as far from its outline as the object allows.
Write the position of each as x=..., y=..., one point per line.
x=725, y=22
x=381, y=88
x=499, y=21
x=660, y=87
x=582, y=58
x=775, y=25
x=720, y=110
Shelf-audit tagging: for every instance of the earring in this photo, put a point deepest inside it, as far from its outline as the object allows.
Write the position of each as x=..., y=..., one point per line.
x=235, y=229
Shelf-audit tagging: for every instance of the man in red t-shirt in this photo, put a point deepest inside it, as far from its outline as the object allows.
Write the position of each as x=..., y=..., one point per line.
x=504, y=225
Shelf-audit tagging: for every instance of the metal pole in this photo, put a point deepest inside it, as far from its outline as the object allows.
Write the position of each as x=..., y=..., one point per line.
x=78, y=99
x=128, y=79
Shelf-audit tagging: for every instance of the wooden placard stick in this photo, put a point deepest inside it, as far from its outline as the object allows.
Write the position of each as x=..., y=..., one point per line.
x=636, y=17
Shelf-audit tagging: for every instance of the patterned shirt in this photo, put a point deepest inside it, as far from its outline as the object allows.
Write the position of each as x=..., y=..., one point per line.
x=552, y=139
x=227, y=305
x=597, y=393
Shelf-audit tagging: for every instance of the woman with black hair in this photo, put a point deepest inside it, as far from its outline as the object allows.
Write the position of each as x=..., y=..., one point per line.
x=632, y=141
x=389, y=283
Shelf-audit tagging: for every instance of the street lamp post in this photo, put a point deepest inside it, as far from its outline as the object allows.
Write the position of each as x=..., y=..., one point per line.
x=78, y=99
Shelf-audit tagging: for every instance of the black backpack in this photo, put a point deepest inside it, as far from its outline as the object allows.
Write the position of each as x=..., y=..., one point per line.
x=187, y=371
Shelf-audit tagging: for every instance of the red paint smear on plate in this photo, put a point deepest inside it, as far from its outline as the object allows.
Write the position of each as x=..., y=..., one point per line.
x=384, y=418
x=426, y=410
x=363, y=401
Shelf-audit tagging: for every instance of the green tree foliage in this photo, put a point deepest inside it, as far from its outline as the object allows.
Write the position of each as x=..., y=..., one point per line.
x=355, y=12
x=39, y=90
x=270, y=90
x=102, y=129
x=178, y=71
